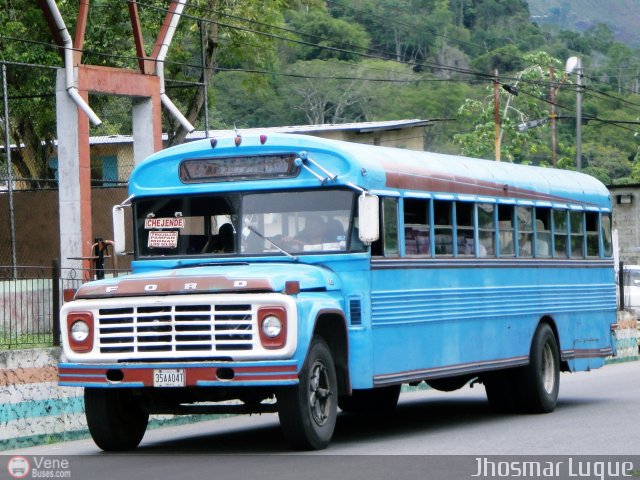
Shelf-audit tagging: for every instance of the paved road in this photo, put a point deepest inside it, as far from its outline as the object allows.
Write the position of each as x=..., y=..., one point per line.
x=598, y=413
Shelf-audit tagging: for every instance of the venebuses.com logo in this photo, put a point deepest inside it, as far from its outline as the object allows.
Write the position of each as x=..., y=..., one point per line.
x=18, y=467
x=38, y=467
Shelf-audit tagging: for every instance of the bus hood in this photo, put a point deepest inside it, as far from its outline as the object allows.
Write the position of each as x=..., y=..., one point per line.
x=254, y=277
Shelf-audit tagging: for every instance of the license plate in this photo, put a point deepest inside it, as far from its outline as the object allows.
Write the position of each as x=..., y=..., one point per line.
x=168, y=378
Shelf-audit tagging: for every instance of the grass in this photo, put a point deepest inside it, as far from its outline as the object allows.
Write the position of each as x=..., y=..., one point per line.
x=25, y=340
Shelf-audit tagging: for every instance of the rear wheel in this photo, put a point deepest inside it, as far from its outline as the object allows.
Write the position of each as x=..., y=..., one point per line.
x=530, y=389
x=371, y=401
x=309, y=410
x=115, y=419
x=538, y=383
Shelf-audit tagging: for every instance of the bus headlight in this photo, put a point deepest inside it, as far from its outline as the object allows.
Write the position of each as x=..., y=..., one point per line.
x=80, y=331
x=272, y=324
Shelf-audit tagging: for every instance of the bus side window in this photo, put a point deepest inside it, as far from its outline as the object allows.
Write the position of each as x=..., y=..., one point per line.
x=576, y=220
x=486, y=229
x=543, y=232
x=593, y=242
x=387, y=245
x=416, y=227
x=464, y=223
x=605, y=231
x=560, y=233
x=443, y=225
x=525, y=231
x=506, y=230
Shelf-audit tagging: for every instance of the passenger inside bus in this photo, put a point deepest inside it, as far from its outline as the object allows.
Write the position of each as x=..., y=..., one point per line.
x=223, y=242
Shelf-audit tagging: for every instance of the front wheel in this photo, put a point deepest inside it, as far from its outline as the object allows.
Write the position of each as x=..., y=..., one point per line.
x=115, y=419
x=308, y=411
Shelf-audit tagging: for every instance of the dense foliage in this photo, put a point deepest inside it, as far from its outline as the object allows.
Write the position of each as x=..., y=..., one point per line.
x=282, y=62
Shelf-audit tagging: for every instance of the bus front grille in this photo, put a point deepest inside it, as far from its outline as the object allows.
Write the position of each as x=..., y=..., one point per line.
x=176, y=328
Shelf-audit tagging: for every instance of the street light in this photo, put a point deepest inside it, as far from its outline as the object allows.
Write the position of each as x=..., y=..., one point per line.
x=574, y=63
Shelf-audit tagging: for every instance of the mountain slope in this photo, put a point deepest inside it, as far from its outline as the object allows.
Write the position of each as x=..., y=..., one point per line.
x=622, y=16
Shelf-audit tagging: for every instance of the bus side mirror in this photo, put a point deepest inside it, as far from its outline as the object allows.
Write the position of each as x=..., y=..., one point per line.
x=118, y=230
x=368, y=218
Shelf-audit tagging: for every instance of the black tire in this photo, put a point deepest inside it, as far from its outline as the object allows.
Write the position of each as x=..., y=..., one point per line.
x=373, y=401
x=309, y=410
x=501, y=391
x=538, y=383
x=115, y=419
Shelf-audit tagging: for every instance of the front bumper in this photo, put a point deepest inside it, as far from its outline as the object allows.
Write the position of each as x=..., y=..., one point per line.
x=200, y=374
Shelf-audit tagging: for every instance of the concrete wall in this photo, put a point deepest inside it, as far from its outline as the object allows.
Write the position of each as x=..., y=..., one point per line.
x=412, y=138
x=626, y=219
x=627, y=338
x=34, y=410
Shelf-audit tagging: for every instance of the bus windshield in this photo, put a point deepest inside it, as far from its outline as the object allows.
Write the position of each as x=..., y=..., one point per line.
x=247, y=223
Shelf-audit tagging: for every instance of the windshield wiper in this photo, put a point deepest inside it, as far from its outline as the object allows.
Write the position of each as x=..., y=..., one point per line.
x=208, y=264
x=292, y=257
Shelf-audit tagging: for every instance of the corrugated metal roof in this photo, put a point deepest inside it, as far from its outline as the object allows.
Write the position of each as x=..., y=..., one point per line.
x=360, y=127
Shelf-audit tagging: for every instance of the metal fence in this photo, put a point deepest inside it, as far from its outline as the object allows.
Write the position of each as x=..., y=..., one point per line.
x=30, y=302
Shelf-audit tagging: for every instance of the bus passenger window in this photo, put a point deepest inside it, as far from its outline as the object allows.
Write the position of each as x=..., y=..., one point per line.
x=390, y=226
x=443, y=227
x=505, y=230
x=525, y=231
x=543, y=232
x=416, y=227
x=576, y=220
x=464, y=222
x=605, y=227
x=560, y=233
x=486, y=230
x=593, y=242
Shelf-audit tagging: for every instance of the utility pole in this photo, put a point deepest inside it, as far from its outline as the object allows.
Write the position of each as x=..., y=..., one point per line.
x=574, y=63
x=496, y=112
x=579, y=116
x=552, y=98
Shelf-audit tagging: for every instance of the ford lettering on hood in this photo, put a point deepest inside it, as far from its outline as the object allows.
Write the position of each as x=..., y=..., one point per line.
x=213, y=279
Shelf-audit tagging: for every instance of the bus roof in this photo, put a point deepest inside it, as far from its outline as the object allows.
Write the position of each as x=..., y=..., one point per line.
x=377, y=169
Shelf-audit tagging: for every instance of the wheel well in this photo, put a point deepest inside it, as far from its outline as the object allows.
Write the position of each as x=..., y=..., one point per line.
x=564, y=366
x=332, y=328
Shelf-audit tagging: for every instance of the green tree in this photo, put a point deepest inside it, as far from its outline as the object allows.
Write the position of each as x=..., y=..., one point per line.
x=517, y=144
x=32, y=120
x=326, y=37
x=620, y=61
x=242, y=39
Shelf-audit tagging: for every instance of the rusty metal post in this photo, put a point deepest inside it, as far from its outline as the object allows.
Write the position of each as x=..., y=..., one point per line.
x=496, y=112
x=7, y=144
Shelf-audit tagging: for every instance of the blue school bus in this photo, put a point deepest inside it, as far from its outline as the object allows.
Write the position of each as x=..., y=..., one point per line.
x=300, y=275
